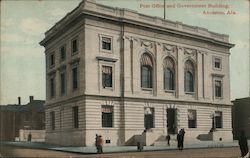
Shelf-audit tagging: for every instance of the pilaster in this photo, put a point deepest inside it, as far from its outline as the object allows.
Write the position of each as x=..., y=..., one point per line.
x=180, y=72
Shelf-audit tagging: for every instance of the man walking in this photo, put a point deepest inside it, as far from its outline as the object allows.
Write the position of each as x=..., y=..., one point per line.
x=243, y=144
x=100, y=144
x=182, y=133
x=168, y=139
x=180, y=139
x=96, y=142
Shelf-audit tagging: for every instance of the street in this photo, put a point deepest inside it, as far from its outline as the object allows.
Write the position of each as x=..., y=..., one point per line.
x=192, y=153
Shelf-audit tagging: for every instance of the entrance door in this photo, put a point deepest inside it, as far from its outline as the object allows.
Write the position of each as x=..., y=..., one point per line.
x=171, y=121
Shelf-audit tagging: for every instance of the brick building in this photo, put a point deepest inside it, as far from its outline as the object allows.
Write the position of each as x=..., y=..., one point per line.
x=30, y=116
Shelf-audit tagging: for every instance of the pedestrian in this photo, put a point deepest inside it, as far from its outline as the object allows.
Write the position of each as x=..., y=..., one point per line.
x=179, y=140
x=243, y=144
x=96, y=142
x=29, y=137
x=100, y=144
x=182, y=134
x=168, y=139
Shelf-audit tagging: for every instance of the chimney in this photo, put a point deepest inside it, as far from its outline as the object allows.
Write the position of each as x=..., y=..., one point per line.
x=31, y=98
x=19, y=100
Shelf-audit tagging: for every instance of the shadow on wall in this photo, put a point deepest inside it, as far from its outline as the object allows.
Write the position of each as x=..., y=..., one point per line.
x=133, y=140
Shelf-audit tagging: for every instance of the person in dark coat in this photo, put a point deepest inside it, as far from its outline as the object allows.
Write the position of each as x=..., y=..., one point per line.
x=168, y=139
x=243, y=144
x=96, y=142
x=29, y=137
x=180, y=139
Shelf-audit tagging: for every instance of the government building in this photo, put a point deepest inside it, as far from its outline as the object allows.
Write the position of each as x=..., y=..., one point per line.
x=132, y=77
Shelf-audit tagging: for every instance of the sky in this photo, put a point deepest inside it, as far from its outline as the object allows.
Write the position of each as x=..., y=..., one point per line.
x=23, y=24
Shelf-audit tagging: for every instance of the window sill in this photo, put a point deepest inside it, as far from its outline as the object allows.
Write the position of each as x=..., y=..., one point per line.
x=147, y=89
x=106, y=51
x=108, y=88
x=106, y=59
x=192, y=127
x=169, y=91
x=219, y=98
x=190, y=93
x=217, y=69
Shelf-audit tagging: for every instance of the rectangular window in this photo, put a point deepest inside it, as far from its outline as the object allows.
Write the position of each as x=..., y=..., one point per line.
x=192, y=119
x=52, y=87
x=63, y=84
x=218, y=119
x=148, y=118
x=63, y=53
x=146, y=76
x=218, y=88
x=74, y=46
x=52, y=120
x=75, y=78
x=189, y=82
x=106, y=76
x=52, y=59
x=75, y=116
x=217, y=63
x=106, y=43
x=107, y=116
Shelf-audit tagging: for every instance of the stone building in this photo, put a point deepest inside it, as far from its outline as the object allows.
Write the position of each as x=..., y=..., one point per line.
x=118, y=73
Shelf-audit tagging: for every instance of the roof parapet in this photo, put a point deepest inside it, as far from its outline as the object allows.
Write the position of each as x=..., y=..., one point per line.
x=130, y=15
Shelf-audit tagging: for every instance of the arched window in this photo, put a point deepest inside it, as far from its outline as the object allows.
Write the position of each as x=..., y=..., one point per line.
x=146, y=71
x=189, y=76
x=169, y=74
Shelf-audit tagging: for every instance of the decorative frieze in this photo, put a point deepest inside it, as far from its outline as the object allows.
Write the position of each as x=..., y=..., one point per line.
x=189, y=52
x=147, y=44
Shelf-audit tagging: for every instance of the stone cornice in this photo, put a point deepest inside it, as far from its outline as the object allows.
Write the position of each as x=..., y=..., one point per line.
x=123, y=16
x=135, y=99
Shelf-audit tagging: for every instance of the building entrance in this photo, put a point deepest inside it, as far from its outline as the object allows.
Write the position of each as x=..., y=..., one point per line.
x=171, y=121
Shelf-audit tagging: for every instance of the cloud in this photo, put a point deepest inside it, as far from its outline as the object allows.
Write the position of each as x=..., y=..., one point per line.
x=9, y=38
x=33, y=26
x=56, y=12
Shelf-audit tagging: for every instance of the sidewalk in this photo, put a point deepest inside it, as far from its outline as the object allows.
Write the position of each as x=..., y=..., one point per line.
x=116, y=149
